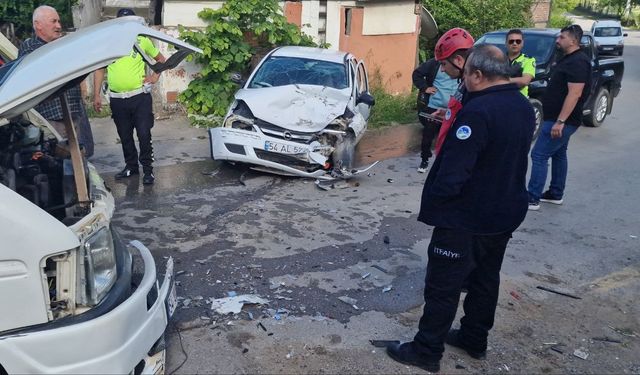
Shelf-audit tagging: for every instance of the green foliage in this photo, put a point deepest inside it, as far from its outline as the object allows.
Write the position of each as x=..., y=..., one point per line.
x=235, y=32
x=564, y=5
x=392, y=109
x=476, y=16
x=559, y=20
x=20, y=12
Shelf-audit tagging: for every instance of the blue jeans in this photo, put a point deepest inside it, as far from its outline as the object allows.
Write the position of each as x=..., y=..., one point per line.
x=545, y=148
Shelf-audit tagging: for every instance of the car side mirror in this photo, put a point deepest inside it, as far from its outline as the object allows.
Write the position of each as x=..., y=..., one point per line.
x=367, y=99
x=237, y=78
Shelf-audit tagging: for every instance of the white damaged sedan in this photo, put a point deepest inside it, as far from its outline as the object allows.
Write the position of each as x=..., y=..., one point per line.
x=301, y=113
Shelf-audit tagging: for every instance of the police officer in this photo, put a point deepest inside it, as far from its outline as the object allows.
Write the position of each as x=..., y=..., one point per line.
x=131, y=106
x=475, y=197
x=524, y=66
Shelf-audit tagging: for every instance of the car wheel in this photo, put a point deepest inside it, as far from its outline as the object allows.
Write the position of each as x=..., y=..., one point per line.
x=537, y=110
x=599, y=109
x=344, y=154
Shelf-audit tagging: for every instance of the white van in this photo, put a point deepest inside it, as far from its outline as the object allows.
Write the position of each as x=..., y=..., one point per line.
x=71, y=302
x=608, y=37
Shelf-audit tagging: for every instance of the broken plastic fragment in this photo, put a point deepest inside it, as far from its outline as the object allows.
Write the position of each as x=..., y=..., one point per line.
x=348, y=300
x=581, y=353
x=387, y=289
x=234, y=304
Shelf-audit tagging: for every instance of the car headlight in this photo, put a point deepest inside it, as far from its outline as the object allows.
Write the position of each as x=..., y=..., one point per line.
x=100, y=263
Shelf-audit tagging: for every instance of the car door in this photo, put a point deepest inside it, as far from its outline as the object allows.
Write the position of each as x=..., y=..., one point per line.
x=362, y=87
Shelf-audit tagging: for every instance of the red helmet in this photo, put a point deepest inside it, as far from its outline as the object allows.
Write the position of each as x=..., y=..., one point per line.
x=452, y=41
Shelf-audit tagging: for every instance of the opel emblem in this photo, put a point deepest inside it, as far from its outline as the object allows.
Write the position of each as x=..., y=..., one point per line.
x=287, y=136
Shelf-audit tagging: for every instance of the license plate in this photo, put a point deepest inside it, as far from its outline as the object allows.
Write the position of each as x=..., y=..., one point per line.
x=172, y=299
x=608, y=48
x=283, y=148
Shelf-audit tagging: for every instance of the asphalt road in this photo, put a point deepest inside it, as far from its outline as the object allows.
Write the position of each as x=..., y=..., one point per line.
x=305, y=249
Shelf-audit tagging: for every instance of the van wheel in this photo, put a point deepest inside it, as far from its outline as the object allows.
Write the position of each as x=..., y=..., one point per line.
x=599, y=109
x=537, y=110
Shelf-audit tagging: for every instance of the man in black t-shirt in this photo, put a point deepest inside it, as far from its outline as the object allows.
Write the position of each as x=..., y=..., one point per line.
x=562, y=106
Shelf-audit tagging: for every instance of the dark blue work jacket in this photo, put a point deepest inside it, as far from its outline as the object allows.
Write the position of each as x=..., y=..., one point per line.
x=477, y=182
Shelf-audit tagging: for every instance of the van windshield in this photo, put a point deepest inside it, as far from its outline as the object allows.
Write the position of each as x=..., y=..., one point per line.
x=607, y=31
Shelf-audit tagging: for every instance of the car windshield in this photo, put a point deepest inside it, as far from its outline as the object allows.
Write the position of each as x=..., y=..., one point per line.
x=607, y=31
x=282, y=70
x=539, y=47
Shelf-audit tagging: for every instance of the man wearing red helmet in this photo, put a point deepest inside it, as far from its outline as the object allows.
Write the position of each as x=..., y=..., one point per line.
x=451, y=51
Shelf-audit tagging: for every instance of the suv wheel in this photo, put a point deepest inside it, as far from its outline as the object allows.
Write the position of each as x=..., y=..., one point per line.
x=599, y=108
x=537, y=110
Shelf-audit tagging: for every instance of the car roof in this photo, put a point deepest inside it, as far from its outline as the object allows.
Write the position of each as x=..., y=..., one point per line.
x=607, y=23
x=312, y=53
x=531, y=31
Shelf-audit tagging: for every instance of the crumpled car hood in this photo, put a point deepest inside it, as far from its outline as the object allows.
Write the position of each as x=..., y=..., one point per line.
x=303, y=108
x=39, y=74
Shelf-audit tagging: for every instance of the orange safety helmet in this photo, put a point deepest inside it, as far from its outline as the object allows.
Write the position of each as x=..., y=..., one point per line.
x=451, y=41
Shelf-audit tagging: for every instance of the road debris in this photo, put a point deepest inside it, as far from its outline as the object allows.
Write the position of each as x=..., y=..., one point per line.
x=390, y=180
x=557, y=348
x=366, y=275
x=503, y=367
x=234, y=304
x=383, y=343
x=581, y=353
x=387, y=288
x=624, y=331
x=386, y=240
x=606, y=339
x=260, y=325
x=349, y=301
x=557, y=292
x=515, y=295
x=379, y=268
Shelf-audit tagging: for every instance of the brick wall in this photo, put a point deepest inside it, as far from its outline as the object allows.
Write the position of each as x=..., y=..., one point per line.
x=540, y=10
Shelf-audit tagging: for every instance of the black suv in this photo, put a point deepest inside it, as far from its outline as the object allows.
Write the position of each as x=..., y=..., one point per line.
x=540, y=43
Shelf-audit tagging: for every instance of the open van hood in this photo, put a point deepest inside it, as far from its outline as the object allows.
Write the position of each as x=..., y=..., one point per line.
x=33, y=78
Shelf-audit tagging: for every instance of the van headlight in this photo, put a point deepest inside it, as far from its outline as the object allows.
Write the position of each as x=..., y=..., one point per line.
x=100, y=263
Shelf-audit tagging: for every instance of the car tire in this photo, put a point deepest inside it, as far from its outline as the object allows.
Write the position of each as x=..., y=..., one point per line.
x=599, y=109
x=344, y=154
x=537, y=110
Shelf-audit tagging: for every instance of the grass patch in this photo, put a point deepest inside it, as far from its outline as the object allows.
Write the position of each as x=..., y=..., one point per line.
x=91, y=113
x=392, y=109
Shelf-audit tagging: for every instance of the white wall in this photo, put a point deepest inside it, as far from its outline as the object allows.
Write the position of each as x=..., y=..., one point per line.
x=86, y=13
x=310, y=10
x=176, y=79
x=333, y=21
x=389, y=18
x=185, y=13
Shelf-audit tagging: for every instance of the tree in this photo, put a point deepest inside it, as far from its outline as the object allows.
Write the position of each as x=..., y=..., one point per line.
x=477, y=16
x=16, y=15
x=235, y=33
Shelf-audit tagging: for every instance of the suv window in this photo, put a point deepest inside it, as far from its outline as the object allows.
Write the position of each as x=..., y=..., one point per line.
x=539, y=47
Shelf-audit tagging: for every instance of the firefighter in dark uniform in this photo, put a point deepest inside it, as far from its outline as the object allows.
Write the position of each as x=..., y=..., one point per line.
x=475, y=197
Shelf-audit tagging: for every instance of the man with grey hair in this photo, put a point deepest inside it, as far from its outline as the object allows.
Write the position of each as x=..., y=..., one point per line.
x=47, y=28
x=475, y=197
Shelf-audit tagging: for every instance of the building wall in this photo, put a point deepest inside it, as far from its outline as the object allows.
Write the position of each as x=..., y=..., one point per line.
x=293, y=11
x=540, y=11
x=390, y=58
x=185, y=13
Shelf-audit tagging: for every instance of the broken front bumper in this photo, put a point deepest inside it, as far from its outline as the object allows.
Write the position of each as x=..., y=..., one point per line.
x=290, y=158
x=115, y=342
